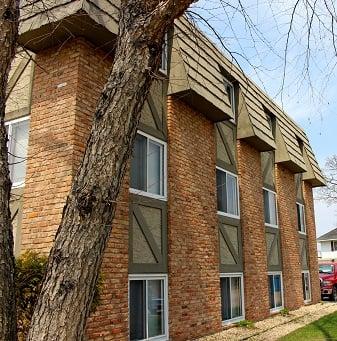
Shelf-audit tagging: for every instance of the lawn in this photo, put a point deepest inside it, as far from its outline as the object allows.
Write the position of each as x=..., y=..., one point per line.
x=322, y=329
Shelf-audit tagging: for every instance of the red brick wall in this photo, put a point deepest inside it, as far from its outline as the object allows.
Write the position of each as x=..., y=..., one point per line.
x=312, y=243
x=253, y=232
x=290, y=249
x=59, y=127
x=194, y=282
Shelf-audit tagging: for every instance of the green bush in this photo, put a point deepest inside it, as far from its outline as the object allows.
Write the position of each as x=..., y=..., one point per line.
x=246, y=324
x=30, y=271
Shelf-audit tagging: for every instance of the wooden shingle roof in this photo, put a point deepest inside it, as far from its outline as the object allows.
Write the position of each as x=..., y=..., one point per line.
x=197, y=71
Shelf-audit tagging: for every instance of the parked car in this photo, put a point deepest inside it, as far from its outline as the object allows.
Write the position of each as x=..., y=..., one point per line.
x=328, y=278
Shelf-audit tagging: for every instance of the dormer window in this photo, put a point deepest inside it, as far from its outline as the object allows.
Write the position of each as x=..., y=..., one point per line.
x=164, y=56
x=271, y=121
x=230, y=93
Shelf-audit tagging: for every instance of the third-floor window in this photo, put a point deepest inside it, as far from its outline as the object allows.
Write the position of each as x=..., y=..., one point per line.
x=300, y=218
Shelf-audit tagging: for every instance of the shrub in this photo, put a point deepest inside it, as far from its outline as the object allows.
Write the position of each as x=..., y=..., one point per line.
x=285, y=312
x=246, y=324
x=30, y=271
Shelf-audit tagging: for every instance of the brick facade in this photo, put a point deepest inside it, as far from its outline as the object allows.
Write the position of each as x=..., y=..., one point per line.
x=194, y=281
x=67, y=84
x=253, y=232
x=312, y=242
x=290, y=249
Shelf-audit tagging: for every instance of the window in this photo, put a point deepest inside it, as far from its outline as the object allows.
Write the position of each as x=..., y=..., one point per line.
x=164, y=56
x=231, y=297
x=227, y=193
x=148, y=307
x=326, y=269
x=275, y=291
x=306, y=286
x=334, y=245
x=270, y=208
x=17, y=131
x=300, y=218
x=148, y=166
x=230, y=91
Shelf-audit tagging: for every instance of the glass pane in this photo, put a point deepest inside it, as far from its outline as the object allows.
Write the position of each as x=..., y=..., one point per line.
x=225, y=298
x=266, y=206
x=272, y=208
x=138, y=164
x=306, y=287
x=137, y=310
x=271, y=292
x=236, y=296
x=221, y=190
x=18, y=151
x=302, y=218
x=155, y=308
x=277, y=291
x=232, y=195
x=154, y=168
x=298, y=208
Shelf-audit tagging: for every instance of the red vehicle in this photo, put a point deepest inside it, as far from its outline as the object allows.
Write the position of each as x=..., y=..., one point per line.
x=328, y=278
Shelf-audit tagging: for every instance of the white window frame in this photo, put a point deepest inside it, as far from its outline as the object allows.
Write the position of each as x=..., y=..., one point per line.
x=9, y=123
x=232, y=95
x=240, y=318
x=149, y=277
x=163, y=172
x=276, y=208
x=164, y=56
x=308, y=273
x=272, y=273
x=302, y=208
x=237, y=191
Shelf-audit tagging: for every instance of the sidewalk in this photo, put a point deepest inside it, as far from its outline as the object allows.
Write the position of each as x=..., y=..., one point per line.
x=276, y=326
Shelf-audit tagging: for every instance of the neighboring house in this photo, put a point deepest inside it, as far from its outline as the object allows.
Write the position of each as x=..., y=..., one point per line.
x=215, y=221
x=328, y=245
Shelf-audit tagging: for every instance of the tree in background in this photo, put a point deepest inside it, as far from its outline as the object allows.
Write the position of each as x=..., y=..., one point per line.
x=329, y=193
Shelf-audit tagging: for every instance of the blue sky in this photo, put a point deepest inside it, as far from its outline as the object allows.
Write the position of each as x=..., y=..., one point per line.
x=305, y=85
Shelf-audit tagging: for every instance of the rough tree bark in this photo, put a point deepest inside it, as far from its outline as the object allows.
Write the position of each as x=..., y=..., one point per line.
x=8, y=37
x=76, y=256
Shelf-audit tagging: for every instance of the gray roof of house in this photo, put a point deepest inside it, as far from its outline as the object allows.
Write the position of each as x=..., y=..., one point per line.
x=331, y=235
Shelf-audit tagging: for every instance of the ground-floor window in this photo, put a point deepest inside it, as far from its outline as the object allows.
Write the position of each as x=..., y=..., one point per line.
x=275, y=291
x=148, y=307
x=306, y=286
x=232, y=303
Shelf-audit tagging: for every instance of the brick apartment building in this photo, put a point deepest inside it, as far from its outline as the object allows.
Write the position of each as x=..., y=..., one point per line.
x=215, y=221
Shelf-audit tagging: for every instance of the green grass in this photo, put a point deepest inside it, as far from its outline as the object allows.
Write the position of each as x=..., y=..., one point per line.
x=322, y=329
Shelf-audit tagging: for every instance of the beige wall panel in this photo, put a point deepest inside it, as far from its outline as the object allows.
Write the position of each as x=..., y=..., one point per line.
x=19, y=87
x=16, y=203
x=142, y=253
x=226, y=257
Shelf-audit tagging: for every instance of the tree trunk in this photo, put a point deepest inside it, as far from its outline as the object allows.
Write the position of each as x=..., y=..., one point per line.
x=76, y=256
x=8, y=37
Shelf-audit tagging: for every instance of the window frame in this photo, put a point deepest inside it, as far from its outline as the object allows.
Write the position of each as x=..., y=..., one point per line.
x=164, y=56
x=273, y=273
x=307, y=272
x=229, y=215
x=153, y=277
x=276, y=209
x=9, y=124
x=302, y=209
x=231, y=275
x=163, y=172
